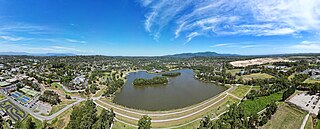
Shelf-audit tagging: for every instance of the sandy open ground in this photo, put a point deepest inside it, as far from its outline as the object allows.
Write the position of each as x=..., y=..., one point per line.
x=258, y=61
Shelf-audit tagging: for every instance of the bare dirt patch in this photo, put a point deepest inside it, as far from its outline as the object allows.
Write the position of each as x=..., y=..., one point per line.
x=258, y=61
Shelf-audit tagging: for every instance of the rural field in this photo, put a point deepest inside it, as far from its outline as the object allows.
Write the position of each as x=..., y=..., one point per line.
x=256, y=76
x=286, y=117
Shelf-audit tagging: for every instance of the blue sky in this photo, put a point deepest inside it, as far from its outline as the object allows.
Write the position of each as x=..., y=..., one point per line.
x=159, y=27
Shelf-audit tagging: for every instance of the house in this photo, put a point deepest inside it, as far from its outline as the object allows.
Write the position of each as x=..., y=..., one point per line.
x=12, y=80
x=269, y=67
x=79, y=79
x=3, y=113
x=315, y=77
x=281, y=67
x=1, y=66
x=157, y=71
x=2, y=79
x=311, y=72
x=3, y=84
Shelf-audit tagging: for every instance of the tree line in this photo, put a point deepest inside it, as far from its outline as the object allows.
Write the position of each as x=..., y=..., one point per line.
x=152, y=81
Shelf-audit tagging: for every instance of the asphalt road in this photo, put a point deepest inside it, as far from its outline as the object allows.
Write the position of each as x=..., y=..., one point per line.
x=40, y=117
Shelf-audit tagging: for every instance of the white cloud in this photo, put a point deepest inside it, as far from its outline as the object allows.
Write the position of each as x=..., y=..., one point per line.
x=306, y=46
x=233, y=17
x=220, y=45
x=192, y=35
x=75, y=41
x=9, y=38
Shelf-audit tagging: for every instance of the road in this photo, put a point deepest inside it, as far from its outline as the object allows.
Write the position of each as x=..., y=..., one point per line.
x=41, y=117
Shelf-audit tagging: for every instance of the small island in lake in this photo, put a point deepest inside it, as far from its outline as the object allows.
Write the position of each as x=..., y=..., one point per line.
x=172, y=74
x=153, y=81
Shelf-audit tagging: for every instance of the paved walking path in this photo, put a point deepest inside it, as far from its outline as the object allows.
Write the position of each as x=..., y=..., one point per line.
x=304, y=121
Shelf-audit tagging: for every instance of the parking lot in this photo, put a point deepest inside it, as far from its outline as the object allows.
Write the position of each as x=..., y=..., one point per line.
x=307, y=102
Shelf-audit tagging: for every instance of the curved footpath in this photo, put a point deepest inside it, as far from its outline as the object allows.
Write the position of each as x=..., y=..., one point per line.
x=168, y=118
x=172, y=112
x=185, y=124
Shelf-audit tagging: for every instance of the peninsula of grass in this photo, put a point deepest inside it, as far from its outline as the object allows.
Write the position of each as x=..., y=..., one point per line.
x=153, y=81
x=172, y=74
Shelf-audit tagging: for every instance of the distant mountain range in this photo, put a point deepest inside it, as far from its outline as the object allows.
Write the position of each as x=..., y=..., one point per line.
x=200, y=54
x=181, y=55
x=36, y=54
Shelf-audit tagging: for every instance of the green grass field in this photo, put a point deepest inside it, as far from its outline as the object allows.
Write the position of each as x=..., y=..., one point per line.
x=256, y=105
x=234, y=71
x=256, y=76
x=291, y=76
x=286, y=117
x=309, y=124
x=62, y=120
x=55, y=85
x=309, y=80
x=119, y=125
x=240, y=91
x=2, y=97
x=60, y=106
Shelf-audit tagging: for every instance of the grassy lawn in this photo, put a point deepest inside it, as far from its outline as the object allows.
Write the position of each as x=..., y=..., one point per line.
x=234, y=71
x=291, y=76
x=37, y=122
x=60, y=106
x=255, y=88
x=240, y=91
x=55, y=86
x=309, y=124
x=286, y=117
x=309, y=80
x=256, y=76
x=119, y=125
x=100, y=92
x=192, y=125
x=2, y=97
x=62, y=120
x=256, y=105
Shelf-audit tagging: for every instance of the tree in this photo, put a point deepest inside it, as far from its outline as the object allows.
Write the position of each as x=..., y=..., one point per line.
x=263, y=121
x=205, y=123
x=144, y=122
x=287, y=93
x=105, y=120
x=44, y=124
x=253, y=121
x=30, y=124
x=83, y=116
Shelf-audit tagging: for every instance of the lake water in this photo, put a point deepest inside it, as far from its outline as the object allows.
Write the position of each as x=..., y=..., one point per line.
x=181, y=91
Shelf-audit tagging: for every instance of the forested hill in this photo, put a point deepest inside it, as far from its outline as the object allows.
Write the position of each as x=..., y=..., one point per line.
x=199, y=54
